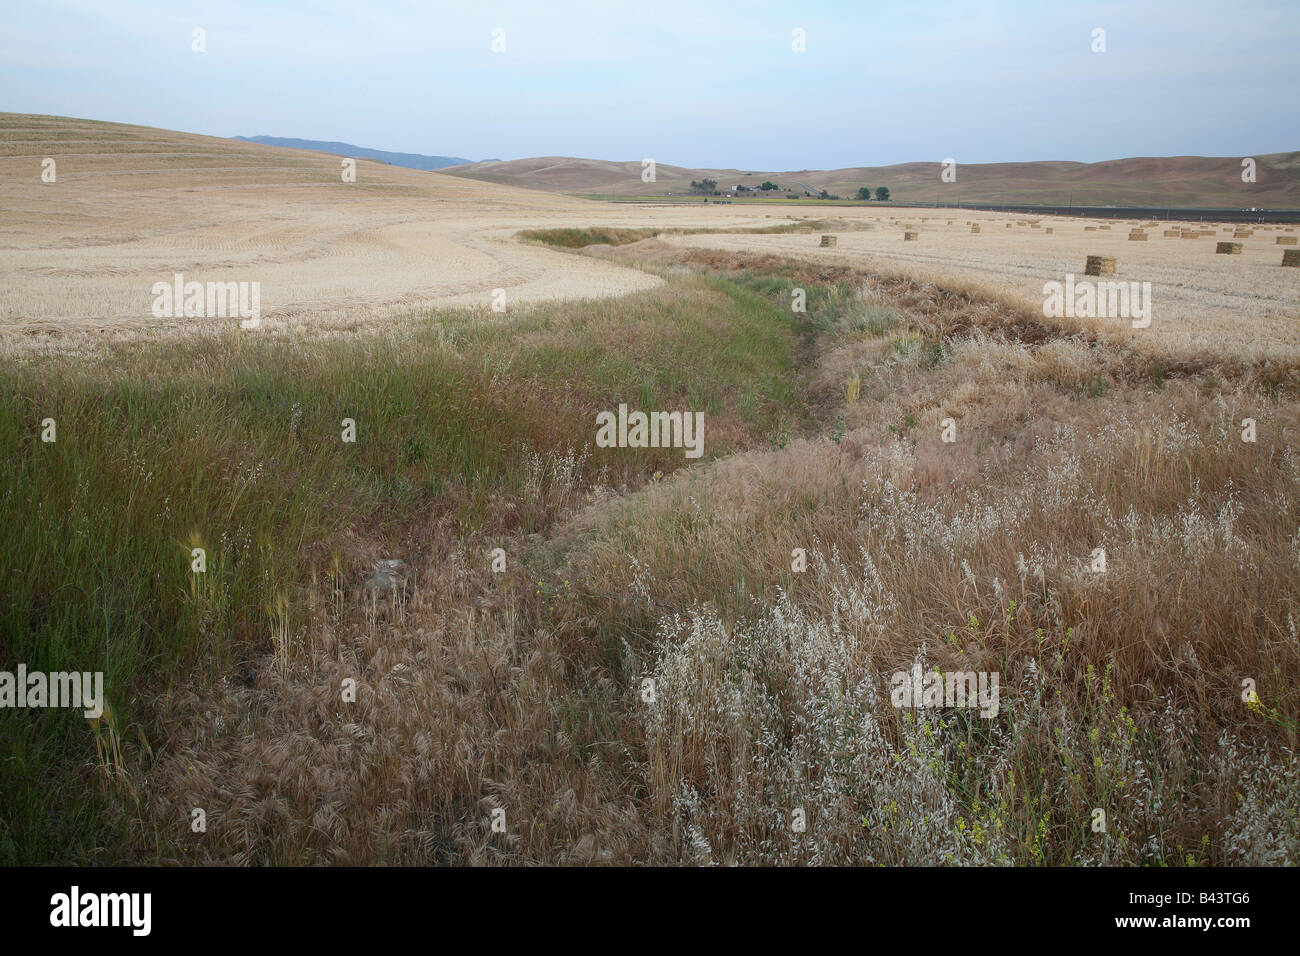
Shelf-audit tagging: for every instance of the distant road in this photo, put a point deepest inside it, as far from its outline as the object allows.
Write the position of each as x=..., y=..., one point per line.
x=1087, y=212
x=1130, y=212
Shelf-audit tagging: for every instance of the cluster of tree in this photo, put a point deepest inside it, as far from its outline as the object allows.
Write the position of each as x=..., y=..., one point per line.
x=882, y=194
x=709, y=187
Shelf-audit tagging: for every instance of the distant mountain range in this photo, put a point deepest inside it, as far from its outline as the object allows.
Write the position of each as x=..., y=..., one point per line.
x=409, y=160
x=1175, y=181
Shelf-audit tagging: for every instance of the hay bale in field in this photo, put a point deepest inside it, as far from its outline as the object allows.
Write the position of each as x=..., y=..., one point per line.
x=829, y=240
x=975, y=229
x=1285, y=240
x=1228, y=248
x=1291, y=257
x=1089, y=228
x=909, y=237
x=1008, y=225
x=1099, y=266
x=1047, y=231
x=1172, y=233
x=1241, y=234
x=1137, y=235
x=1107, y=228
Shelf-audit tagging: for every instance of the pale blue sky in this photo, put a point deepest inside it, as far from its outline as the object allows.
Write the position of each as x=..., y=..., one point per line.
x=688, y=83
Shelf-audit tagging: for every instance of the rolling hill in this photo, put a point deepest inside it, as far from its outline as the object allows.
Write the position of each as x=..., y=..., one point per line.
x=129, y=205
x=1193, y=181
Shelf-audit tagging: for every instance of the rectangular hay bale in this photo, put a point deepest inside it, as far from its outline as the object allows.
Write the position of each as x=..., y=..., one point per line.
x=1099, y=266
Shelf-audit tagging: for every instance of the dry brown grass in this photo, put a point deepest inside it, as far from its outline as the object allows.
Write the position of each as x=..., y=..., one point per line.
x=1121, y=690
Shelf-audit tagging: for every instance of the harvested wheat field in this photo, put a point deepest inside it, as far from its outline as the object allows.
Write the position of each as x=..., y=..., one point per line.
x=1200, y=300
x=133, y=206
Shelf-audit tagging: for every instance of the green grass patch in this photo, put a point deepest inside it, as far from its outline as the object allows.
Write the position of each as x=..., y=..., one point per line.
x=592, y=235
x=235, y=446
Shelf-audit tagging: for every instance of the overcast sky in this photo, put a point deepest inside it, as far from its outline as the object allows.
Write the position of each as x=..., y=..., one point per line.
x=687, y=83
